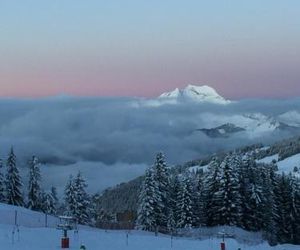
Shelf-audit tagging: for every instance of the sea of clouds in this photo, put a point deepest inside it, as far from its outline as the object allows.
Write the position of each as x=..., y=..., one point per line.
x=112, y=140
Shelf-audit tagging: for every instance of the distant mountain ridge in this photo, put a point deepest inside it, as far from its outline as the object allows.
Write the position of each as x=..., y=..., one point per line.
x=222, y=131
x=254, y=124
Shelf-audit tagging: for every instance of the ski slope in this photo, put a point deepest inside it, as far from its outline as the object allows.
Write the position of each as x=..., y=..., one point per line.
x=11, y=215
x=49, y=238
x=31, y=236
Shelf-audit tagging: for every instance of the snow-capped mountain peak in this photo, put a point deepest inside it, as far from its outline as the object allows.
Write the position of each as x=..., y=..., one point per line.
x=194, y=93
x=200, y=90
x=172, y=94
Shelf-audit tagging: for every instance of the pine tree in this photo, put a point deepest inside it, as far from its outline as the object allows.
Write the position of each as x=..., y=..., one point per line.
x=283, y=219
x=70, y=197
x=82, y=200
x=252, y=195
x=49, y=204
x=42, y=199
x=171, y=224
x=96, y=209
x=161, y=180
x=198, y=202
x=34, y=186
x=211, y=187
x=13, y=182
x=148, y=199
x=295, y=209
x=2, y=183
x=243, y=190
x=270, y=207
x=55, y=198
x=228, y=194
x=175, y=187
x=185, y=204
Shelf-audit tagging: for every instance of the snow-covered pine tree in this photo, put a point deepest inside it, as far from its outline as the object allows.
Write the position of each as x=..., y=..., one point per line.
x=42, y=198
x=294, y=184
x=211, y=186
x=284, y=220
x=34, y=185
x=228, y=194
x=269, y=207
x=95, y=209
x=55, y=198
x=148, y=199
x=171, y=226
x=2, y=183
x=243, y=190
x=175, y=186
x=70, y=197
x=185, y=203
x=49, y=204
x=236, y=160
x=161, y=180
x=82, y=200
x=13, y=182
x=251, y=190
x=199, y=218
x=236, y=163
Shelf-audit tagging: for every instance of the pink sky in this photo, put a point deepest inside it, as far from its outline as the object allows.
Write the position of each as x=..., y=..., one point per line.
x=142, y=48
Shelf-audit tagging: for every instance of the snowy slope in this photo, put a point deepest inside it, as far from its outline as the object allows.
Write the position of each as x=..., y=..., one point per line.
x=269, y=159
x=25, y=217
x=33, y=235
x=49, y=239
x=287, y=165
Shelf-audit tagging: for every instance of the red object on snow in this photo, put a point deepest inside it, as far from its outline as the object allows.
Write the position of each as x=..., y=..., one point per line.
x=223, y=246
x=65, y=243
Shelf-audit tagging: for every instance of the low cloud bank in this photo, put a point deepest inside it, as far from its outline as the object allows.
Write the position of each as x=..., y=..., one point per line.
x=113, y=139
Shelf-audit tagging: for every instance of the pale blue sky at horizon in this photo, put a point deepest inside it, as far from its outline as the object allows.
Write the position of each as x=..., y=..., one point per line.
x=142, y=48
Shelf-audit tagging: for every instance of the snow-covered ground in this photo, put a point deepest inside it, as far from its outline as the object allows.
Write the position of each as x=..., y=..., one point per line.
x=49, y=238
x=268, y=159
x=10, y=215
x=43, y=238
x=287, y=165
x=34, y=236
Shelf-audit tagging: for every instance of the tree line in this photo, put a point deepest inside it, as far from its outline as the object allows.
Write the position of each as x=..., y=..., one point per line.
x=76, y=201
x=234, y=191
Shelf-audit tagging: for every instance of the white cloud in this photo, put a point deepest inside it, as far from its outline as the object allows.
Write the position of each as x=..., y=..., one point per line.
x=109, y=135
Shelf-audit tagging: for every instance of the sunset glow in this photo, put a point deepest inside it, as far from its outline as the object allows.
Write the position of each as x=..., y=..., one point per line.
x=143, y=48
